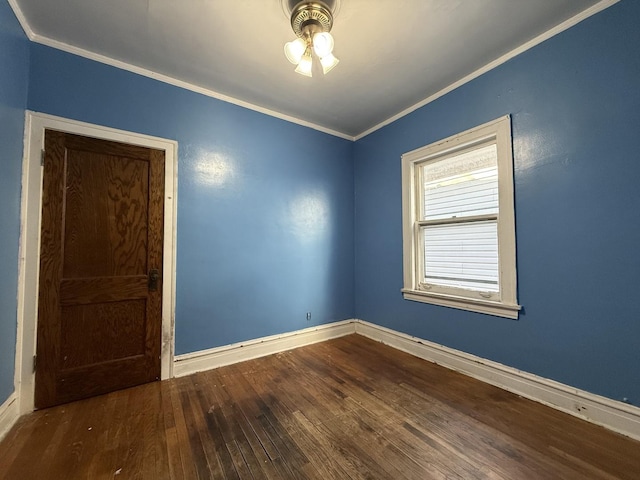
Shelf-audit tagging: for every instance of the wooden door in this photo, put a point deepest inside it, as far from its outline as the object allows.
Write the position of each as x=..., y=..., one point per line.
x=100, y=286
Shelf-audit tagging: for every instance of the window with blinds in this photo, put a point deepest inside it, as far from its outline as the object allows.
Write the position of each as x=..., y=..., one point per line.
x=459, y=222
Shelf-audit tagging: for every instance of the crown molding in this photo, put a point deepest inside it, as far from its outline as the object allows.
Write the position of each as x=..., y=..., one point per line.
x=17, y=11
x=598, y=7
x=65, y=47
x=43, y=40
x=182, y=84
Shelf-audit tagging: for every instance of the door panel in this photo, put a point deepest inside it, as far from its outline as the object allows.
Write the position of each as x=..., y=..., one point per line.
x=105, y=220
x=99, y=324
x=101, y=332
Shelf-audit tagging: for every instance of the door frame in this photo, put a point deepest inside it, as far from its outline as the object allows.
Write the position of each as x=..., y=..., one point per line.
x=29, y=256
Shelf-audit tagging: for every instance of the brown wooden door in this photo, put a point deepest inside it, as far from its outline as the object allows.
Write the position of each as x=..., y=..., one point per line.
x=99, y=319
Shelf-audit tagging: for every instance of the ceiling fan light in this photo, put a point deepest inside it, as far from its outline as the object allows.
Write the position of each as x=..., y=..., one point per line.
x=294, y=50
x=323, y=44
x=328, y=62
x=305, y=66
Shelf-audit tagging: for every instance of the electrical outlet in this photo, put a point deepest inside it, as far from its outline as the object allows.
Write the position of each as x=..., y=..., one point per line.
x=308, y=316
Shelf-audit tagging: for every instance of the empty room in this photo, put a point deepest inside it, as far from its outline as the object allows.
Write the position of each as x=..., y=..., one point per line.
x=323, y=239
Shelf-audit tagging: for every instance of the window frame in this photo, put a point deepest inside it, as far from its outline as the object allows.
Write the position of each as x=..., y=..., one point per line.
x=502, y=303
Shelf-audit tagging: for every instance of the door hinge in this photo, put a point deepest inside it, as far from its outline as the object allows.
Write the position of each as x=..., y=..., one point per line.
x=35, y=362
x=42, y=158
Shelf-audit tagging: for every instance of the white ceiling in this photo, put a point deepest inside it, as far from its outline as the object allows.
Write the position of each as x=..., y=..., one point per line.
x=393, y=53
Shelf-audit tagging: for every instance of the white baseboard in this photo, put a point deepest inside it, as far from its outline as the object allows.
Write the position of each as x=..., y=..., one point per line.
x=9, y=414
x=239, y=352
x=616, y=416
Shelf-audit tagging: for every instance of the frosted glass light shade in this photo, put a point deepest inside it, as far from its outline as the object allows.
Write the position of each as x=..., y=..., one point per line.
x=294, y=50
x=323, y=44
x=305, y=66
x=328, y=62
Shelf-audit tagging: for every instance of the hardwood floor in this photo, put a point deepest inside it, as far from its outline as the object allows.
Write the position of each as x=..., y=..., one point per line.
x=346, y=408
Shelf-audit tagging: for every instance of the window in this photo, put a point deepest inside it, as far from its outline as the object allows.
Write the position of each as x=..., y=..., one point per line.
x=458, y=222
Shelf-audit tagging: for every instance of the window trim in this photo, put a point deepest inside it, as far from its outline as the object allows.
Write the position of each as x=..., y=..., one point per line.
x=504, y=303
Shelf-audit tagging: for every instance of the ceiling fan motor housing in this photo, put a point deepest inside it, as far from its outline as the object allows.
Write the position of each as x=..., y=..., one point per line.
x=308, y=18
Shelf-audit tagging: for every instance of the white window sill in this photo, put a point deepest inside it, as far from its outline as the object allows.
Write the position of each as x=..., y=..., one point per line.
x=473, y=305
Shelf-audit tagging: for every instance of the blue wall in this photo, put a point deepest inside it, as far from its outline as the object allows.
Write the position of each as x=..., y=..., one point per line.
x=265, y=207
x=14, y=65
x=575, y=106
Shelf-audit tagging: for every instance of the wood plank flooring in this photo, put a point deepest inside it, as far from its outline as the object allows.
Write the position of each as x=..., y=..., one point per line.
x=349, y=408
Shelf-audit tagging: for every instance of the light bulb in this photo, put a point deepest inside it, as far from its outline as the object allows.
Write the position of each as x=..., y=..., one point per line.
x=294, y=50
x=323, y=44
x=305, y=65
x=328, y=62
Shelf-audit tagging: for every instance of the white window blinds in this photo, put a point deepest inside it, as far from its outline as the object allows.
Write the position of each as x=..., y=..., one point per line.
x=459, y=220
x=462, y=255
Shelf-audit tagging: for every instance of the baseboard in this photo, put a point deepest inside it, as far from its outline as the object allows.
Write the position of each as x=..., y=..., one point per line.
x=616, y=416
x=9, y=414
x=239, y=352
